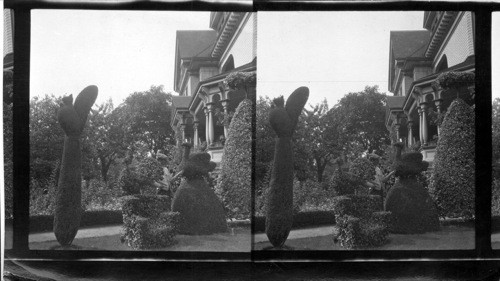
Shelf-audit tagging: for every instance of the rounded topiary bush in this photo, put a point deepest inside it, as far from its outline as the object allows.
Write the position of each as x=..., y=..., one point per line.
x=453, y=178
x=235, y=181
x=413, y=210
x=199, y=208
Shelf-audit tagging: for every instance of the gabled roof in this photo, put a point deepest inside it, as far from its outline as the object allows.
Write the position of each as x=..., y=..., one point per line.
x=409, y=43
x=195, y=43
x=406, y=44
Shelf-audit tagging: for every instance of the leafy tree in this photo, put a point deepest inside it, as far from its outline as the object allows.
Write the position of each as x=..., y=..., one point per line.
x=7, y=142
x=495, y=120
x=104, y=139
x=362, y=119
x=146, y=119
x=46, y=136
x=264, y=134
x=318, y=137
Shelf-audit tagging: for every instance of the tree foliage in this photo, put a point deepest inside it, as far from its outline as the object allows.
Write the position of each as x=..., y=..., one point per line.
x=362, y=121
x=146, y=117
x=495, y=120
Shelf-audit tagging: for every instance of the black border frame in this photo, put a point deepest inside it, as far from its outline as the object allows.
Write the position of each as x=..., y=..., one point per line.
x=20, y=250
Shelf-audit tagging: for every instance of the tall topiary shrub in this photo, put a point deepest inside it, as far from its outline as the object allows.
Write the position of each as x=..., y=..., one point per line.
x=72, y=119
x=279, y=213
x=235, y=181
x=453, y=177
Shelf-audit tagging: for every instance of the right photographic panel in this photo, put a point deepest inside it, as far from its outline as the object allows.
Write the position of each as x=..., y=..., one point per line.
x=495, y=93
x=365, y=131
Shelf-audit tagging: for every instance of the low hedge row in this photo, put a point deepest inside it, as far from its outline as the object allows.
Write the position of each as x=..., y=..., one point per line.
x=300, y=220
x=44, y=223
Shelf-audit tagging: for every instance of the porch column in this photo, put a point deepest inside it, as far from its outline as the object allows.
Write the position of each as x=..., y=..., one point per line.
x=196, y=140
x=438, y=101
x=397, y=126
x=210, y=110
x=207, y=128
x=410, y=131
x=182, y=127
x=420, y=135
x=423, y=106
x=225, y=104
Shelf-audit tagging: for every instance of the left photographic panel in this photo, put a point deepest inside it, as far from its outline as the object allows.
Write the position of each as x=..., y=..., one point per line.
x=141, y=130
x=8, y=68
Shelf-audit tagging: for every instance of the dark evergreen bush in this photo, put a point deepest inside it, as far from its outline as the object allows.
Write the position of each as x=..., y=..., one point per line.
x=72, y=119
x=453, y=178
x=201, y=211
x=148, y=222
x=235, y=179
x=279, y=213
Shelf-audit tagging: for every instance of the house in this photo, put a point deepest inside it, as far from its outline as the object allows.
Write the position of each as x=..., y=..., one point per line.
x=416, y=58
x=203, y=59
x=8, y=38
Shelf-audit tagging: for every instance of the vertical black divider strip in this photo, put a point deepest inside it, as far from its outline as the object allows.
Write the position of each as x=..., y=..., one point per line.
x=483, y=132
x=21, y=129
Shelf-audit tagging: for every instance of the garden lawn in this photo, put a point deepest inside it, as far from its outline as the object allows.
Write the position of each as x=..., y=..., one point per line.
x=448, y=238
x=108, y=238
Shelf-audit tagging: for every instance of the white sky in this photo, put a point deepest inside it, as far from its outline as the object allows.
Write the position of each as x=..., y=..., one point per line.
x=332, y=53
x=495, y=55
x=119, y=51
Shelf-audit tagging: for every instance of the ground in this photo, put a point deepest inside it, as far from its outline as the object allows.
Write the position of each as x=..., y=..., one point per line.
x=448, y=238
x=108, y=238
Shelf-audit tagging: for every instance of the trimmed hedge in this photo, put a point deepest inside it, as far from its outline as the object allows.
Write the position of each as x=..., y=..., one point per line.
x=301, y=220
x=148, y=222
x=44, y=223
x=235, y=179
x=453, y=178
x=360, y=221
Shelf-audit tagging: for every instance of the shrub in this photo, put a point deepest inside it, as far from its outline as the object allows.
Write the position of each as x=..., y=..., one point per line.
x=97, y=195
x=453, y=178
x=201, y=211
x=363, y=169
x=343, y=183
x=44, y=223
x=72, y=118
x=141, y=176
x=279, y=209
x=413, y=209
x=455, y=80
x=148, y=222
x=360, y=221
x=235, y=179
x=495, y=198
